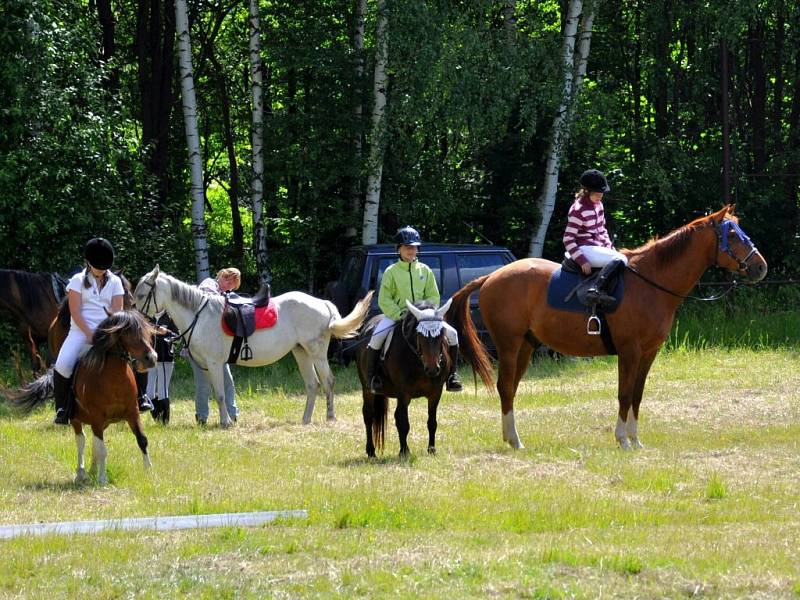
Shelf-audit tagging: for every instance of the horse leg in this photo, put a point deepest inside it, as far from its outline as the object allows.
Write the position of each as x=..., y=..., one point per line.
x=403, y=427
x=507, y=388
x=136, y=427
x=99, y=454
x=631, y=425
x=216, y=377
x=368, y=412
x=326, y=379
x=433, y=405
x=306, y=366
x=80, y=442
x=628, y=367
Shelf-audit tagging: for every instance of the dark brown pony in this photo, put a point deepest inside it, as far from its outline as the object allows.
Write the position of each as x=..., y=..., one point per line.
x=105, y=388
x=514, y=307
x=30, y=300
x=417, y=364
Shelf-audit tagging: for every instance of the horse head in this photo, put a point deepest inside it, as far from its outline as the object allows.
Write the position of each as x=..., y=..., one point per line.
x=735, y=251
x=127, y=333
x=429, y=336
x=147, y=297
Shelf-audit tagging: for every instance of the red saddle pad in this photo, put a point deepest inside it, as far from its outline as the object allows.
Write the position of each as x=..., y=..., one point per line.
x=266, y=317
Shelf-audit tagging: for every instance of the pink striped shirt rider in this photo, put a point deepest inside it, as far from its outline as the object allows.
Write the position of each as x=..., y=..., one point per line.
x=586, y=226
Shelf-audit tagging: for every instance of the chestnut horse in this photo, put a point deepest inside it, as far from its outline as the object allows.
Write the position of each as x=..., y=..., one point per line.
x=659, y=275
x=417, y=364
x=30, y=300
x=105, y=388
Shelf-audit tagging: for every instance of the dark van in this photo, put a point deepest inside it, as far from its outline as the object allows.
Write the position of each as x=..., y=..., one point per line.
x=454, y=265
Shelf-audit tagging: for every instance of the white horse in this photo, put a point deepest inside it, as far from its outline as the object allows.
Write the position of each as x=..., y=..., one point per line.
x=304, y=328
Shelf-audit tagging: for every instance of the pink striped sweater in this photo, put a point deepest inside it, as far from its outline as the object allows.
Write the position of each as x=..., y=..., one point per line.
x=586, y=226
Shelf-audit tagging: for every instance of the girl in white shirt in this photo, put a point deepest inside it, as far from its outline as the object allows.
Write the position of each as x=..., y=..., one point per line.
x=94, y=293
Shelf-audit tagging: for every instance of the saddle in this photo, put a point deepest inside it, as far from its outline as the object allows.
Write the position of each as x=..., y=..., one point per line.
x=243, y=315
x=567, y=291
x=567, y=288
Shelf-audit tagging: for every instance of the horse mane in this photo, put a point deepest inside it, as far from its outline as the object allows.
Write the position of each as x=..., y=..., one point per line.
x=190, y=296
x=29, y=284
x=107, y=335
x=672, y=246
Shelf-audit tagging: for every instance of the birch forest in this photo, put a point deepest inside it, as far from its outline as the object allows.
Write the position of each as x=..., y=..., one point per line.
x=274, y=134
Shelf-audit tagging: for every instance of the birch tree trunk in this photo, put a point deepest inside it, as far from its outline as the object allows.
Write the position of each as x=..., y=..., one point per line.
x=559, y=131
x=369, y=231
x=358, y=48
x=192, y=140
x=257, y=186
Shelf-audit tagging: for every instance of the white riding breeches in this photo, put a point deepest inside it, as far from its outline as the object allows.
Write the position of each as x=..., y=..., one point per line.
x=158, y=379
x=599, y=256
x=386, y=324
x=75, y=345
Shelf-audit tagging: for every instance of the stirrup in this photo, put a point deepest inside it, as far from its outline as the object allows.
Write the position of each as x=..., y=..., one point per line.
x=593, y=325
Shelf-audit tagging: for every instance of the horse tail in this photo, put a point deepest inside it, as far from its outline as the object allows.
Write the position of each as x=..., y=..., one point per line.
x=472, y=349
x=380, y=411
x=347, y=327
x=33, y=394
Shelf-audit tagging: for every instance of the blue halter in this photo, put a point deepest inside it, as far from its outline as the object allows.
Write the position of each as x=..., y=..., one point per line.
x=724, y=230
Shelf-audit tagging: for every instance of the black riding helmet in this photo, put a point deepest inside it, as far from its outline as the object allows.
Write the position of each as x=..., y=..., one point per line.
x=594, y=181
x=99, y=253
x=407, y=236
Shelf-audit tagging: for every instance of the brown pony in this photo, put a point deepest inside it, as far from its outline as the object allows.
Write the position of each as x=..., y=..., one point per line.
x=105, y=388
x=659, y=275
x=417, y=364
x=30, y=300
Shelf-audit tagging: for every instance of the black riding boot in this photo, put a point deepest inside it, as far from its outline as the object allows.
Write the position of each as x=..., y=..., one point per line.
x=373, y=379
x=144, y=403
x=453, y=380
x=62, y=390
x=164, y=414
x=598, y=293
x=156, y=412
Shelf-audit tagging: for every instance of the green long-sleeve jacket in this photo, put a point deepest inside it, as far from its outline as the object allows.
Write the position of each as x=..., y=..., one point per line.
x=413, y=281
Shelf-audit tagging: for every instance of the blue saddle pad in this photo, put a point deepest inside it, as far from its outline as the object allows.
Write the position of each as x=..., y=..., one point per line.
x=563, y=282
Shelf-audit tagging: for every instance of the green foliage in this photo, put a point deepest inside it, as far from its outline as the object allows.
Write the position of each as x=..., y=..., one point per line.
x=471, y=100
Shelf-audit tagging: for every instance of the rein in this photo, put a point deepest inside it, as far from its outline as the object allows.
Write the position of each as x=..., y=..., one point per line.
x=722, y=231
x=658, y=286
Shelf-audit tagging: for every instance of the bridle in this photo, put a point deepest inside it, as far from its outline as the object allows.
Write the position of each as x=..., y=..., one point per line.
x=431, y=327
x=722, y=231
x=182, y=337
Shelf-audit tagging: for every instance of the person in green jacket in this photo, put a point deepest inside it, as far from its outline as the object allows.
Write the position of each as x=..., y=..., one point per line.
x=407, y=279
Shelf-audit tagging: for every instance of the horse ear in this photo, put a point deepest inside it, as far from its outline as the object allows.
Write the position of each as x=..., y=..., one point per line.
x=155, y=272
x=414, y=310
x=440, y=312
x=731, y=209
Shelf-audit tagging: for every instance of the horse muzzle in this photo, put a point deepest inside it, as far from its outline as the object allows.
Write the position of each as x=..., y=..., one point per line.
x=148, y=361
x=754, y=268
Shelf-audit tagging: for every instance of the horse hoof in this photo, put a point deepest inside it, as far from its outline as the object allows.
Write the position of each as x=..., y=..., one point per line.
x=624, y=444
x=636, y=444
x=306, y=421
x=431, y=449
x=80, y=477
x=516, y=444
x=331, y=418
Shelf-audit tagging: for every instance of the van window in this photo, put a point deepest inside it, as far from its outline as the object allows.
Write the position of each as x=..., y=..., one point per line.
x=434, y=262
x=472, y=266
x=351, y=274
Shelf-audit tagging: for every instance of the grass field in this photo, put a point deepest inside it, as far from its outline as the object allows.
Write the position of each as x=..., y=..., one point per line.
x=709, y=508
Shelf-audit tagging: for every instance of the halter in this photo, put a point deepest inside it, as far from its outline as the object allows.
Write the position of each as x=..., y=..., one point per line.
x=723, y=230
